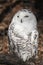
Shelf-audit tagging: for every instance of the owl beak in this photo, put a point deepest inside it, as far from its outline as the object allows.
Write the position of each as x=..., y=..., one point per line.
x=21, y=20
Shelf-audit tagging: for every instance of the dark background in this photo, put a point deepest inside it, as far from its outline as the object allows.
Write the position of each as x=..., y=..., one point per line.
x=8, y=8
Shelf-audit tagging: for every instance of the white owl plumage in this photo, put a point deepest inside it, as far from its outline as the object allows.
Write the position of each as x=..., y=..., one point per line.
x=23, y=34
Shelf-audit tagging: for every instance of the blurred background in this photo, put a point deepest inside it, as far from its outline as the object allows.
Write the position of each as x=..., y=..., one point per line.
x=8, y=8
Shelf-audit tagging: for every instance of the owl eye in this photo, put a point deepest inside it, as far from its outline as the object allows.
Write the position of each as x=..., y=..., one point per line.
x=26, y=16
x=18, y=16
x=29, y=11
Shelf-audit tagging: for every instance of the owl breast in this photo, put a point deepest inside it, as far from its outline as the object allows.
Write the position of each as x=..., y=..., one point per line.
x=23, y=48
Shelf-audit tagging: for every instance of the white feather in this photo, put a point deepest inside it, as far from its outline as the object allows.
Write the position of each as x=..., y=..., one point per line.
x=22, y=31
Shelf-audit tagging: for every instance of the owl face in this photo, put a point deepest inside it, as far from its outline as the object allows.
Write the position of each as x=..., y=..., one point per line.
x=24, y=22
x=24, y=16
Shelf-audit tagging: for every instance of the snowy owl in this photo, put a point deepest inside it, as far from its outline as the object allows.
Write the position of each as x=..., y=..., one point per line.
x=23, y=34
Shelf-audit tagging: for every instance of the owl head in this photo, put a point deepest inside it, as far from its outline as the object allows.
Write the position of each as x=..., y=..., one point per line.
x=24, y=20
x=24, y=16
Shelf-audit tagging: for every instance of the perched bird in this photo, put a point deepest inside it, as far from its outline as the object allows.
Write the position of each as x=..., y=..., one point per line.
x=23, y=34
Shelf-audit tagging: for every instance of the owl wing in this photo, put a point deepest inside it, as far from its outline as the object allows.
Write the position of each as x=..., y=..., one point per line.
x=12, y=38
x=34, y=41
x=34, y=37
